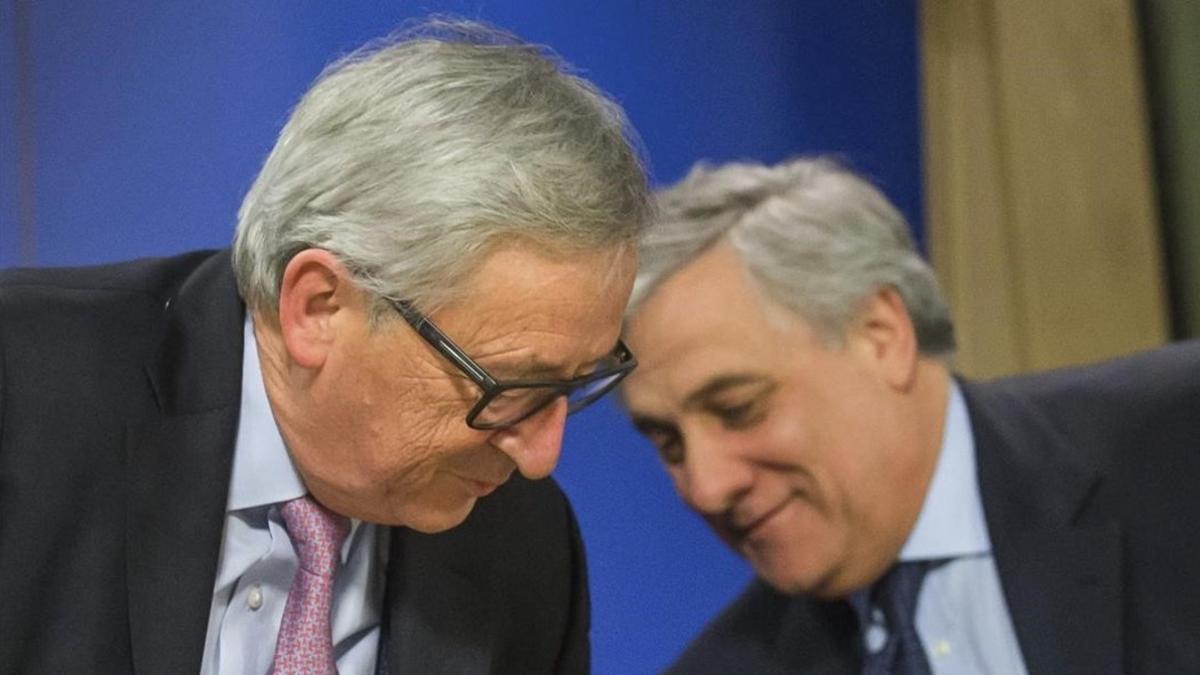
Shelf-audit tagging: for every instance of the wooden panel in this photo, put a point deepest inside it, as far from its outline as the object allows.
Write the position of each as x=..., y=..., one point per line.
x=965, y=206
x=1038, y=161
x=1079, y=173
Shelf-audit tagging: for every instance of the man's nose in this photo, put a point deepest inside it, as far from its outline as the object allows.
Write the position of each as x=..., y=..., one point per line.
x=535, y=444
x=712, y=479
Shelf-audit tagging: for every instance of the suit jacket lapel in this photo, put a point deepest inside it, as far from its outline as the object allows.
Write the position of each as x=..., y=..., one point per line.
x=819, y=637
x=179, y=464
x=438, y=619
x=1058, y=557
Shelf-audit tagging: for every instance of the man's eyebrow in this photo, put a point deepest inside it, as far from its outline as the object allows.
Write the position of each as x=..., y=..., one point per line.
x=719, y=384
x=646, y=425
x=644, y=422
x=524, y=369
x=536, y=368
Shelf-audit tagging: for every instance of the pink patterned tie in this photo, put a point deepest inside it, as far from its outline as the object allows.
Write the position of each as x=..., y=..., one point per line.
x=305, y=637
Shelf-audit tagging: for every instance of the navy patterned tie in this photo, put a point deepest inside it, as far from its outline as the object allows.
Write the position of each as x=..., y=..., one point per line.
x=896, y=594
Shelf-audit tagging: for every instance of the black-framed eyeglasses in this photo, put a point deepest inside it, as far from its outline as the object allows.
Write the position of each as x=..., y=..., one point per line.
x=504, y=404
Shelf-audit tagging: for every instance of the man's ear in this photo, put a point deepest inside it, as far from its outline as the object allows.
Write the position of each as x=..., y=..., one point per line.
x=315, y=287
x=882, y=335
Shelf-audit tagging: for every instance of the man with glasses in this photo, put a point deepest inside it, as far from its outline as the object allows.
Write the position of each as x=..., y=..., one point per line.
x=795, y=379
x=325, y=450
x=505, y=404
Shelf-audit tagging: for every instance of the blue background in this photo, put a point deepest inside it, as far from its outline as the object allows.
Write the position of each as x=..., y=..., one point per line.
x=150, y=121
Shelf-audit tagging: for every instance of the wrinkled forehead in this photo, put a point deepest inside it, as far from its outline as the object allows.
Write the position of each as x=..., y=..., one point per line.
x=707, y=321
x=526, y=302
x=553, y=262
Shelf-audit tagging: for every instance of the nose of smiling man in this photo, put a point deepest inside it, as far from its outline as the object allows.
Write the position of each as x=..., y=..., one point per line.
x=713, y=479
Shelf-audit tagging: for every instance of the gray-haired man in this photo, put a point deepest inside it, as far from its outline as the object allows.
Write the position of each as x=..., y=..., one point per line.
x=297, y=458
x=794, y=377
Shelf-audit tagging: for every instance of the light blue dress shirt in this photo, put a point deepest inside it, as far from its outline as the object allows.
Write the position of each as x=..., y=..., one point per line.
x=962, y=617
x=258, y=562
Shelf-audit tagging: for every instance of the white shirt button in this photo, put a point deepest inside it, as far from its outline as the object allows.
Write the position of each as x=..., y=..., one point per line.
x=254, y=598
x=876, y=638
x=941, y=648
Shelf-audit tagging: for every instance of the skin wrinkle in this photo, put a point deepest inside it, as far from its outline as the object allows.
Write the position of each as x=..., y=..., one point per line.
x=377, y=426
x=515, y=362
x=422, y=440
x=509, y=356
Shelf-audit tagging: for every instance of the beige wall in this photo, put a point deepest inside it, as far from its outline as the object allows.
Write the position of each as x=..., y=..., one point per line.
x=1042, y=218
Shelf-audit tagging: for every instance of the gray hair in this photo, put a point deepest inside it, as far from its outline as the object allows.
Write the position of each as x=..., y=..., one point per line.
x=411, y=157
x=818, y=239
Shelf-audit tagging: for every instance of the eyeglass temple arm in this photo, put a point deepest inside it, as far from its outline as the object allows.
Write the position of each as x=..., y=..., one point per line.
x=442, y=343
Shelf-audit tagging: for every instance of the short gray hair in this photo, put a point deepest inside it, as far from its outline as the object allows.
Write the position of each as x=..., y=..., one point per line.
x=818, y=239
x=411, y=157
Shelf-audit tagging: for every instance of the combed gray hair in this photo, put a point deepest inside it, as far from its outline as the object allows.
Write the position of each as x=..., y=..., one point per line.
x=818, y=239
x=411, y=157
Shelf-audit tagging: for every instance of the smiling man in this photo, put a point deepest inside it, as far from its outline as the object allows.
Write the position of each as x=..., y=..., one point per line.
x=795, y=379
x=327, y=450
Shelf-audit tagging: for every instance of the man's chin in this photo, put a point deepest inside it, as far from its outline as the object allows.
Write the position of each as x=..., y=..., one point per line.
x=435, y=520
x=788, y=584
x=826, y=586
x=792, y=576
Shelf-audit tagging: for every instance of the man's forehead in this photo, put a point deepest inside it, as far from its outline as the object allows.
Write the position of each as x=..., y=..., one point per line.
x=705, y=325
x=689, y=370
x=690, y=335
x=532, y=355
x=538, y=266
x=532, y=335
x=699, y=295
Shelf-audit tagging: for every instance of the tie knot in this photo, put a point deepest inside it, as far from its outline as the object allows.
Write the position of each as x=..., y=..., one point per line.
x=317, y=534
x=896, y=593
x=898, y=651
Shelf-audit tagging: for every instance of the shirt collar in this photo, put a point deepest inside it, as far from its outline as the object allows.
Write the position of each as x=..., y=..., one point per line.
x=262, y=470
x=951, y=523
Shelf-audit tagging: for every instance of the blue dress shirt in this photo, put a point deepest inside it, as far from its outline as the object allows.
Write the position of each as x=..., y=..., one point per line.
x=257, y=560
x=962, y=617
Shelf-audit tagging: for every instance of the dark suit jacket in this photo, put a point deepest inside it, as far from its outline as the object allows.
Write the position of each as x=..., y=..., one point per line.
x=119, y=399
x=1090, y=480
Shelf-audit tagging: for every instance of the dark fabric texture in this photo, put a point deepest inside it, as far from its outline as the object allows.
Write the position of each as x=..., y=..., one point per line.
x=119, y=399
x=1089, y=479
x=896, y=594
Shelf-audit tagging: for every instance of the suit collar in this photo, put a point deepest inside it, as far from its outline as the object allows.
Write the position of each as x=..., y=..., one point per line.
x=263, y=472
x=1058, y=558
x=198, y=363
x=179, y=465
x=951, y=522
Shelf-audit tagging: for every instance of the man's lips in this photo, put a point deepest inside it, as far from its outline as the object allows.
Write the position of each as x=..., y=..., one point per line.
x=482, y=487
x=742, y=531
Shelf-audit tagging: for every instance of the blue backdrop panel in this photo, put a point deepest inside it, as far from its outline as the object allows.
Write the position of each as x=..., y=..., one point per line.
x=9, y=234
x=151, y=120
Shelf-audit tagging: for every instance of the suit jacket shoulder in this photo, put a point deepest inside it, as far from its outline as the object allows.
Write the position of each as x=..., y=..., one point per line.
x=1113, y=403
x=1088, y=477
x=68, y=328
x=74, y=344
x=764, y=631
